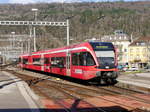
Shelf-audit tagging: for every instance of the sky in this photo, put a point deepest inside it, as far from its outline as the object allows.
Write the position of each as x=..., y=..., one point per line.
x=60, y=1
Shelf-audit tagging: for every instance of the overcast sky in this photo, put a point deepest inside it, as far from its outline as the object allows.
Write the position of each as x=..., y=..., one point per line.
x=49, y=1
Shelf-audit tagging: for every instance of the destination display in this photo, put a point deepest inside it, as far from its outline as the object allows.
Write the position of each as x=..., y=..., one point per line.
x=102, y=45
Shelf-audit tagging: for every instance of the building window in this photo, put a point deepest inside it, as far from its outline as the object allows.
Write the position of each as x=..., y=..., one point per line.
x=120, y=49
x=131, y=50
x=137, y=43
x=137, y=50
x=125, y=50
x=131, y=56
x=144, y=49
x=143, y=44
x=137, y=56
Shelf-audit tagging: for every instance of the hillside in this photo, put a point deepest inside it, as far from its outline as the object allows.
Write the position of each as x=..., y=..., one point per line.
x=132, y=17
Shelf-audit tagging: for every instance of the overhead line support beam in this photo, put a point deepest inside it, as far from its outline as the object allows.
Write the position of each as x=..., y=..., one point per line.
x=34, y=23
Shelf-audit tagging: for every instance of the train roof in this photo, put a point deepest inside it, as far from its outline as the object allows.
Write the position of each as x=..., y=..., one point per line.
x=66, y=47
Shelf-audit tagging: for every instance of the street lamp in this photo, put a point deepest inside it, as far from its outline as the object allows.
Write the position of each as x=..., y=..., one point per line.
x=34, y=33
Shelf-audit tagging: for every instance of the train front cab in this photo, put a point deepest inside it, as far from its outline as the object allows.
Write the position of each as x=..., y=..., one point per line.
x=107, y=61
x=97, y=63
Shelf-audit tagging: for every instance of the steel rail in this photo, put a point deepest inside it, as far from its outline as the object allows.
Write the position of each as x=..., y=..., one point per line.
x=95, y=89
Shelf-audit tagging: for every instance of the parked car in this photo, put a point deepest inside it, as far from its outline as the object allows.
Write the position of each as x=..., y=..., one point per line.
x=120, y=67
x=147, y=68
x=125, y=68
x=133, y=69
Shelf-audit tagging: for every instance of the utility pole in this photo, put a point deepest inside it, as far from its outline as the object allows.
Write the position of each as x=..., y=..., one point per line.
x=68, y=29
x=67, y=32
x=34, y=33
x=13, y=39
x=29, y=39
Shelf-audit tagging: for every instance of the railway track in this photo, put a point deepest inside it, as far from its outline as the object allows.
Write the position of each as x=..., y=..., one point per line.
x=81, y=93
x=129, y=93
x=44, y=88
x=84, y=92
x=76, y=98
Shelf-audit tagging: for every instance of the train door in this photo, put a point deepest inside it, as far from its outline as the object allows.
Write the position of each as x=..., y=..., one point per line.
x=42, y=62
x=29, y=62
x=81, y=63
x=46, y=64
x=68, y=71
x=21, y=62
x=77, y=67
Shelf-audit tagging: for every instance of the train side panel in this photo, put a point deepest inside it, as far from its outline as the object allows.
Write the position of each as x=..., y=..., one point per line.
x=36, y=63
x=58, y=63
x=81, y=61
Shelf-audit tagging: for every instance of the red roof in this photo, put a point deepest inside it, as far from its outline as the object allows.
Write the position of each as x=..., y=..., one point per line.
x=141, y=40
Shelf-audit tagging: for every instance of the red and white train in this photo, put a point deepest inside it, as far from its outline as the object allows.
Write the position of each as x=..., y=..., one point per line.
x=96, y=61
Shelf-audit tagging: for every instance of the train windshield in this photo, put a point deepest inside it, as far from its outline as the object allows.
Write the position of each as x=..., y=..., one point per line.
x=105, y=54
x=106, y=59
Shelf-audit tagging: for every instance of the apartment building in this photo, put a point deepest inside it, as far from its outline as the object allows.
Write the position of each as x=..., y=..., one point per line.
x=139, y=52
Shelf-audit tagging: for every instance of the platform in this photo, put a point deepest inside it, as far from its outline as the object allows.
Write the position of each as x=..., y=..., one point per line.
x=15, y=95
x=137, y=81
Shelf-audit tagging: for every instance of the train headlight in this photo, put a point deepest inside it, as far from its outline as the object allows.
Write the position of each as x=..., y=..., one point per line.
x=107, y=67
x=98, y=73
x=114, y=74
x=109, y=74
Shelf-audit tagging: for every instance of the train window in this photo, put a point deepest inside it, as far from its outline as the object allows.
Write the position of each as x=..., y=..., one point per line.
x=75, y=59
x=82, y=59
x=46, y=60
x=37, y=61
x=53, y=62
x=89, y=60
x=58, y=62
x=25, y=61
